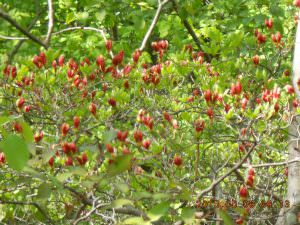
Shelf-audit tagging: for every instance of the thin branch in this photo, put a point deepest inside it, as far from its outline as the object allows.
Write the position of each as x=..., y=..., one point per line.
x=13, y=38
x=81, y=28
x=131, y=211
x=275, y=164
x=50, y=23
x=62, y=31
x=153, y=24
x=25, y=32
x=88, y=213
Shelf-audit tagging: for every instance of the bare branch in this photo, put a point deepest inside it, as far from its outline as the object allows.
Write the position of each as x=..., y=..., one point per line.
x=274, y=164
x=81, y=28
x=50, y=23
x=89, y=213
x=13, y=38
x=25, y=32
x=153, y=24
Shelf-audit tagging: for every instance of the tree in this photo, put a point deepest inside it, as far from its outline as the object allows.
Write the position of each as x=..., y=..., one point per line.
x=166, y=112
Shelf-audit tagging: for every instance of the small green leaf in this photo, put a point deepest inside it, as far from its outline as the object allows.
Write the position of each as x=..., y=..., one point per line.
x=123, y=187
x=135, y=221
x=158, y=211
x=108, y=136
x=120, y=164
x=101, y=15
x=27, y=133
x=70, y=17
x=226, y=218
x=44, y=191
x=16, y=152
x=164, y=28
x=63, y=176
x=118, y=203
x=187, y=214
x=4, y=119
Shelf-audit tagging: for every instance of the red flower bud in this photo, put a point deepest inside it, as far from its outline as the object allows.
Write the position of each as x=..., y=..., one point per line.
x=65, y=129
x=177, y=160
x=92, y=108
x=138, y=136
x=61, y=60
x=76, y=121
x=108, y=45
x=199, y=125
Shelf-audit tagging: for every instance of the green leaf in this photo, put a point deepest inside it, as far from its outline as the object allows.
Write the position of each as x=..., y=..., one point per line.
x=120, y=164
x=158, y=211
x=164, y=28
x=4, y=119
x=187, y=214
x=27, y=133
x=108, y=136
x=101, y=15
x=63, y=176
x=44, y=191
x=118, y=203
x=136, y=221
x=122, y=187
x=139, y=24
x=16, y=152
x=236, y=39
x=226, y=218
x=70, y=17
x=82, y=15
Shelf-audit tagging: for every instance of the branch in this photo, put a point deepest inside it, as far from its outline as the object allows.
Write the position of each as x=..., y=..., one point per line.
x=81, y=28
x=62, y=31
x=275, y=164
x=28, y=203
x=131, y=211
x=220, y=179
x=25, y=32
x=188, y=26
x=153, y=24
x=50, y=23
x=88, y=213
x=13, y=38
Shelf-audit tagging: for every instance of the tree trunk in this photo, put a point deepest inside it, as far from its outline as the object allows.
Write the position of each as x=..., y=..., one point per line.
x=289, y=216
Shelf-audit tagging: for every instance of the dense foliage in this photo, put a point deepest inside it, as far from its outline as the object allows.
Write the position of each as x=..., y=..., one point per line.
x=96, y=131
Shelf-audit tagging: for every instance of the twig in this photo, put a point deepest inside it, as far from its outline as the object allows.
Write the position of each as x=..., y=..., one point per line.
x=153, y=24
x=25, y=32
x=88, y=213
x=50, y=23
